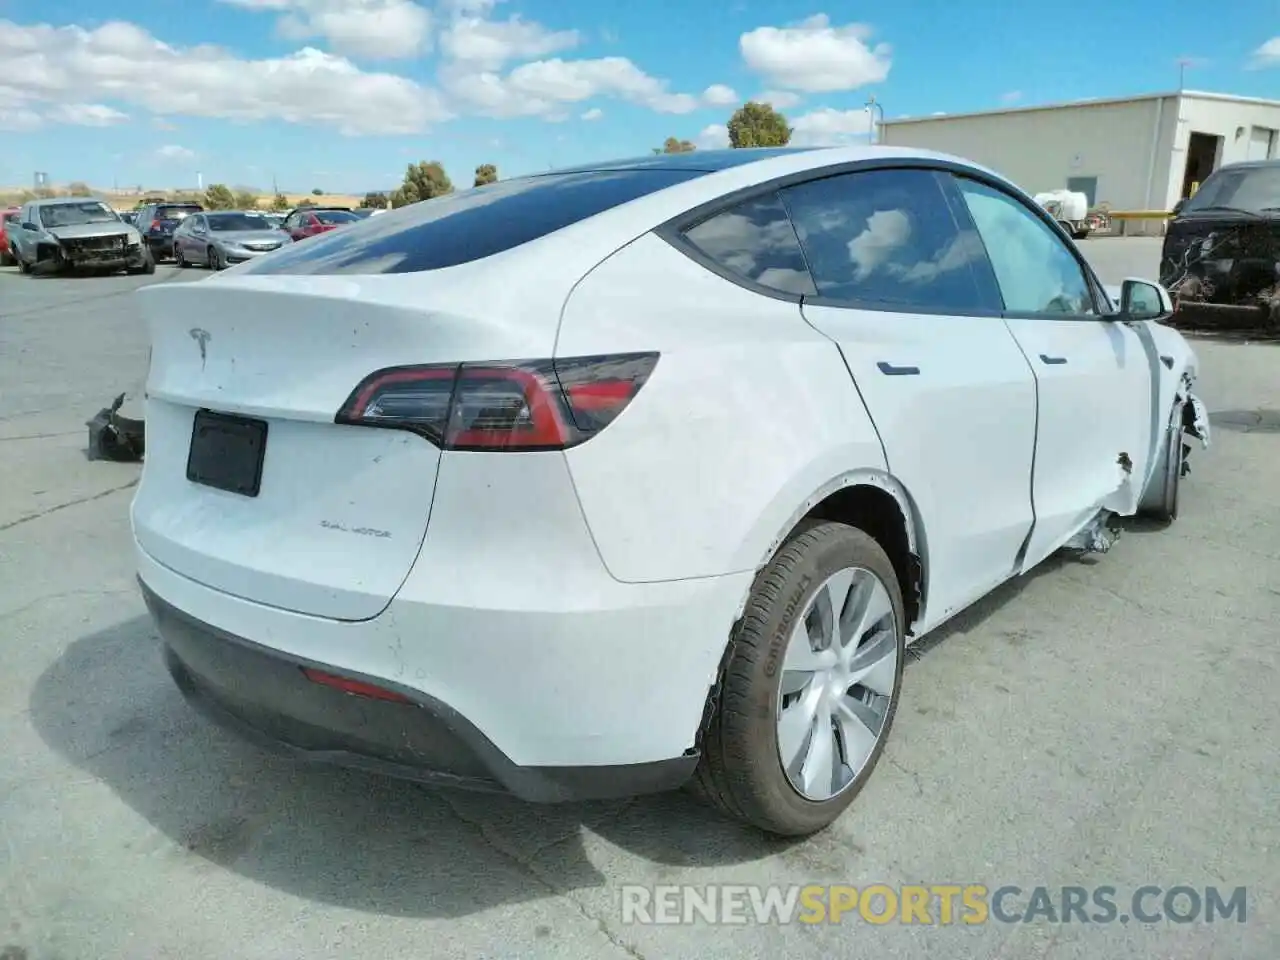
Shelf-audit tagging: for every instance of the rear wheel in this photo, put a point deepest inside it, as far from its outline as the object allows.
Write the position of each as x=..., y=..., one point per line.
x=811, y=684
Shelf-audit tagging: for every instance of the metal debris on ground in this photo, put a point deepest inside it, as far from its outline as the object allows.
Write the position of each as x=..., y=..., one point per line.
x=115, y=437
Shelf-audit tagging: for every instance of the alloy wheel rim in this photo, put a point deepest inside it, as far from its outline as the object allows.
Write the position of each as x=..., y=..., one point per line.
x=837, y=686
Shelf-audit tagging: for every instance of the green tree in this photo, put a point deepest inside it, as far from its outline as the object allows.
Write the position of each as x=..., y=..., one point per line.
x=78, y=189
x=317, y=192
x=219, y=197
x=674, y=145
x=246, y=200
x=758, y=125
x=422, y=181
x=374, y=201
x=486, y=173
x=279, y=202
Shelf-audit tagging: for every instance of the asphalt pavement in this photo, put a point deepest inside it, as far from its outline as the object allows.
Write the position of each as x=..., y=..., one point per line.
x=1105, y=722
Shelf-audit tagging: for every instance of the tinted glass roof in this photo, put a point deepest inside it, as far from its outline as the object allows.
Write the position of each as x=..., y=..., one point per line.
x=704, y=161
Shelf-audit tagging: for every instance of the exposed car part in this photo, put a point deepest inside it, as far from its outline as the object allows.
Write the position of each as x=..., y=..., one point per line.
x=1221, y=255
x=116, y=437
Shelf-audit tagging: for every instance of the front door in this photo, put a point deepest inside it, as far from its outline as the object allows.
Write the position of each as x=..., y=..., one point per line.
x=951, y=395
x=1094, y=375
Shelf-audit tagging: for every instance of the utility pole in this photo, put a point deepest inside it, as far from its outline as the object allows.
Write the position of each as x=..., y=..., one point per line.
x=871, y=107
x=1182, y=70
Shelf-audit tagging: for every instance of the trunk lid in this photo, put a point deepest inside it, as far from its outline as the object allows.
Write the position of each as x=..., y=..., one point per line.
x=341, y=510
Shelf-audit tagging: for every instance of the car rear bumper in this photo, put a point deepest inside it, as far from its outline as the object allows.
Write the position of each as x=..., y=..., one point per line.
x=548, y=706
x=264, y=697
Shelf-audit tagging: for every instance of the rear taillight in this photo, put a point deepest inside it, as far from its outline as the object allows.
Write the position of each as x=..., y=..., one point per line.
x=517, y=405
x=155, y=225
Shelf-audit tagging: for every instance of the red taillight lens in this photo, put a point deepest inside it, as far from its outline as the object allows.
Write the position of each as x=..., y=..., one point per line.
x=521, y=405
x=357, y=688
x=155, y=225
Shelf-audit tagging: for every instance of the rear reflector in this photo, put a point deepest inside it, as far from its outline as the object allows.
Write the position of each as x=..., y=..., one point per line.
x=356, y=688
x=520, y=405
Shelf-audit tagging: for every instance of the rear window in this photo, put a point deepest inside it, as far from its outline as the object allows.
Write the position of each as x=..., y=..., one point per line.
x=177, y=211
x=470, y=225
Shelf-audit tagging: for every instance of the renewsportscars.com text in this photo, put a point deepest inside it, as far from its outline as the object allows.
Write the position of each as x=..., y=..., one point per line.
x=931, y=904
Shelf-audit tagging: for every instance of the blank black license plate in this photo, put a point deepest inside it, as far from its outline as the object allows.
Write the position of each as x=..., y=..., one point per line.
x=227, y=452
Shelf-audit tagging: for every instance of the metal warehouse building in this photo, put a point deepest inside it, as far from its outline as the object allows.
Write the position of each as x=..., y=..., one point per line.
x=1136, y=153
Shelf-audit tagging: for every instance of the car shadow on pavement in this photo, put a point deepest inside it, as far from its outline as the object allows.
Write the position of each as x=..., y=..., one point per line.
x=353, y=840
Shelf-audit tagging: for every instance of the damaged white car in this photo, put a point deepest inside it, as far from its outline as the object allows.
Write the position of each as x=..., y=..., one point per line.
x=601, y=481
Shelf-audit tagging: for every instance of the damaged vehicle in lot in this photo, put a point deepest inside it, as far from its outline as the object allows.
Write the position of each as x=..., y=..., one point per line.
x=76, y=233
x=1221, y=256
x=607, y=480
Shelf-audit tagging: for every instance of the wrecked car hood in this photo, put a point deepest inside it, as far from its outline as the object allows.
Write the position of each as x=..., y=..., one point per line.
x=88, y=231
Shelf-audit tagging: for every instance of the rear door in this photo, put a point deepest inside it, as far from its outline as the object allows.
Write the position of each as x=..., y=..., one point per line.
x=1095, y=376
x=951, y=394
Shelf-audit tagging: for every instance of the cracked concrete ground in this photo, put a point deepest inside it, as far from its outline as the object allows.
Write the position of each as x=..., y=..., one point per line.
x=1110, y=722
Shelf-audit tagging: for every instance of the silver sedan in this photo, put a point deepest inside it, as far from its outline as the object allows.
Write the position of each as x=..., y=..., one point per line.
x=219, y=238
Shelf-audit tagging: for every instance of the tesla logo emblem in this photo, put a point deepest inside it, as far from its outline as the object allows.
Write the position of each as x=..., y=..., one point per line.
x=202, y=337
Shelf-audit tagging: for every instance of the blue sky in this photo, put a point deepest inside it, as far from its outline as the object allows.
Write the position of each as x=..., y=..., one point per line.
x=341, y=94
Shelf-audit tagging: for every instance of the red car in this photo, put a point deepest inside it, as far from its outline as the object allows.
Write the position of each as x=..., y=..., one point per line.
x=9, y=215
x=310, y=221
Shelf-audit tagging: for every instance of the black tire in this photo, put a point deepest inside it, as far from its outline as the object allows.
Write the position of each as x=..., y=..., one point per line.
x=215, y=259
x=147, y=267
x=23, y=266
x=740, y=772
x=178, y=259
x=1162, y=505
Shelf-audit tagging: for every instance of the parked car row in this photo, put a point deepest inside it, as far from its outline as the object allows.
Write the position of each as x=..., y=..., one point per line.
x=85, y=233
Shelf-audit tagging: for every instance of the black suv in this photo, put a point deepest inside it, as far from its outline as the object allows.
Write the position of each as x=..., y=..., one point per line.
x=157, y=221
x=1221, y=256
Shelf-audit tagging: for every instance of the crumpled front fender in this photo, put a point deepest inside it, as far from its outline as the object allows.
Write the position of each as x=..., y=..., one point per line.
x=1195, y=420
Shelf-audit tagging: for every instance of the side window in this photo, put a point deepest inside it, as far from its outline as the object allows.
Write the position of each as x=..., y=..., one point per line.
x=291, y=221
x=756, y=241
x=888, y=238
x=1035, y=269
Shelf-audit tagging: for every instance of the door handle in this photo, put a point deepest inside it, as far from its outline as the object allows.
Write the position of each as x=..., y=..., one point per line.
x=889, y=370
x=1052, y=361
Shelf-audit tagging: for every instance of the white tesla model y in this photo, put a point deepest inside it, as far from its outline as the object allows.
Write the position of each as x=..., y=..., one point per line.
x=603, y=480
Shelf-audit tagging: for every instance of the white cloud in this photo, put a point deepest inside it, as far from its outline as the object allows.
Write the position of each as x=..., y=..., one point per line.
x=1013, y=96
x=1267, y=55
x=718, y=95
x=713, y=137
x=46, y=66
x=87, y=115
x=595, y=113
x=489, y=44
x=779, y=99
x=374, y=29
x=544, y=87
x=174, y=152
x=19, y=119
x=814, y=56
x=826, y=127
